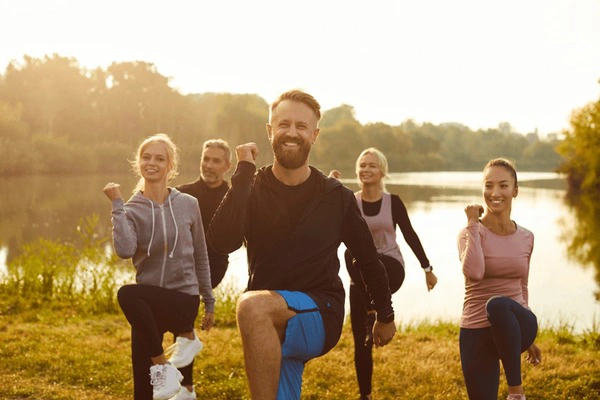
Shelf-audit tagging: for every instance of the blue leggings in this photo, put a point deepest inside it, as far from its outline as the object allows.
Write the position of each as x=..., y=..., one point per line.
x=512, y=331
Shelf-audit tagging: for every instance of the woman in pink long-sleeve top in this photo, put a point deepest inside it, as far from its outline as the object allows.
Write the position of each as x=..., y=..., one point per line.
x=496, y=322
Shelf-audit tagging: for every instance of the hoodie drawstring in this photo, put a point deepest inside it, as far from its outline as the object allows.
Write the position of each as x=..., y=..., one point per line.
x=154, y=224
x=152, y=235
x=176, y=229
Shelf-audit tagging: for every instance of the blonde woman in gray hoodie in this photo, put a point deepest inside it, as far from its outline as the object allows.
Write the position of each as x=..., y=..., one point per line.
x=160, y=229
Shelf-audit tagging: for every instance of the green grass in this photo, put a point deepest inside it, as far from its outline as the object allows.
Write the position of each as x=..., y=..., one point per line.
x=62, y=336
x=51, y=355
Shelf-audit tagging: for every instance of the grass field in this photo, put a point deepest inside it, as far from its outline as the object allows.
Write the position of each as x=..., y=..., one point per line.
x=50, y=355
x=63, y=337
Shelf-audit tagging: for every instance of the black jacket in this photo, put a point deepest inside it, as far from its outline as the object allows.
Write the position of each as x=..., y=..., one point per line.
x=303, y=256
x=209, y=200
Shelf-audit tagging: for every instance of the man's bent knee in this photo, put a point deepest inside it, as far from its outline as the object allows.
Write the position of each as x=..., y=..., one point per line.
x=256, y=307
x=256, y=303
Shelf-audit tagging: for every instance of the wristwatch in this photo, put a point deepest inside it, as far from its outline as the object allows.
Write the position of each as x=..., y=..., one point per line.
x=428, y=269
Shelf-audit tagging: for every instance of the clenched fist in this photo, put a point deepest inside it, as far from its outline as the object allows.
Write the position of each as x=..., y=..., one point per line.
x=247, y=152
x=334, y=173
x=112, y=190
x=473, y=212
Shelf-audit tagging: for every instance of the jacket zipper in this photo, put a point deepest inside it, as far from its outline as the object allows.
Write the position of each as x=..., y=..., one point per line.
x=165, y=245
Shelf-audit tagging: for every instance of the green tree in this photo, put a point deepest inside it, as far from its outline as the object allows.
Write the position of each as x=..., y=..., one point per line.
x=15, y=152
x=236, y=118
x=581, y=149
x=137, y=102
x=343, y=113
x=458, y=147
x=393, y=141
x=425, y=153
x=495, y=143
x=540, y=155
x=337, y=148
x=340, y=141
x=54, y=93
x=582, y=239
x=58, y=117
x=242, y=118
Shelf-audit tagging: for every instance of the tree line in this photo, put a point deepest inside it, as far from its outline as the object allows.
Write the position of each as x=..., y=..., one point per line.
x=58, y=117
x=580, y=150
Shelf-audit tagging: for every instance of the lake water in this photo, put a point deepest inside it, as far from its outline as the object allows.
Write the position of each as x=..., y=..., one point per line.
x=561, y=290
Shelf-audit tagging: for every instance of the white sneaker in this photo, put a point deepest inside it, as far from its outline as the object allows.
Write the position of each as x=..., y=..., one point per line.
x=185, y=350
x=185, y=394
x=165, y=380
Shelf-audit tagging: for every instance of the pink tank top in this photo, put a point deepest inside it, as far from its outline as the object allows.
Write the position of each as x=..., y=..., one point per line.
x=383, y=228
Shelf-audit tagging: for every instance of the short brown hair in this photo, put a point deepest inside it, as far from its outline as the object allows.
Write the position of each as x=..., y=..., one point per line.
x=301, y=97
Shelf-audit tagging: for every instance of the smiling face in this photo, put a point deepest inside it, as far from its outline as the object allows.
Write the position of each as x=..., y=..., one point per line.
x=292, y=131
x=154, y=163
x=499, y=188
x=368, y=170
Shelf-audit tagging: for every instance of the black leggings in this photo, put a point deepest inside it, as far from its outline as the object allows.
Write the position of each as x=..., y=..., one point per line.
x=152, y=311
x=360, y=302
x=512, y=331
x=218, y=268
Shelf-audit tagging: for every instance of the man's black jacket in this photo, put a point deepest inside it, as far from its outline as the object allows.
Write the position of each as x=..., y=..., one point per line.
x=300, y=256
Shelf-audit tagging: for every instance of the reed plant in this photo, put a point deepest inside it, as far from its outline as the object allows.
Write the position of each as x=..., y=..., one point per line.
x=81, y=275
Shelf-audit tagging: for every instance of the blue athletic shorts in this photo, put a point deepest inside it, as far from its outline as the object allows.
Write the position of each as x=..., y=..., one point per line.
x=304, y=340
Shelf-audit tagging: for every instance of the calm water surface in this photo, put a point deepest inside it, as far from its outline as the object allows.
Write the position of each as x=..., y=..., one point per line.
x=561, y=290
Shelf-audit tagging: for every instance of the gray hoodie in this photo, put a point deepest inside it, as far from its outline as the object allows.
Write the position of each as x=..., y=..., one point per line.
x=165, y=242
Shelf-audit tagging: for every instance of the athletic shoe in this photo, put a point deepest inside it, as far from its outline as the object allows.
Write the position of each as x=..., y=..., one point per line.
x=165, y=380
x=185, y=350
x=516, y=396
x=369, y=322
x=185, y=394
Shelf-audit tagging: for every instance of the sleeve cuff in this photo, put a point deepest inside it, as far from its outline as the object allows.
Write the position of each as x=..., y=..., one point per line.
x=385, y=317
x=117, y=204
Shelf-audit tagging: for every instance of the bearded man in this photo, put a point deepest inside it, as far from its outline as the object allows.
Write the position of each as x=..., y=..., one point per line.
x=292, y=219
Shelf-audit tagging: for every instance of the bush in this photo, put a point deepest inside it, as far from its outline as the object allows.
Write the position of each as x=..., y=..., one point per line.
x=81, y=277
x=51, y=274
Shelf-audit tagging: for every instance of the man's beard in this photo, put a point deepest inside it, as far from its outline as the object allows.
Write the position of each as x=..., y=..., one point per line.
x=208, y=176
x=291, y=158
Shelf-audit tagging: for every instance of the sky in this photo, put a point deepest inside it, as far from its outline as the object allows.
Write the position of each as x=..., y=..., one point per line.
x=476, y=62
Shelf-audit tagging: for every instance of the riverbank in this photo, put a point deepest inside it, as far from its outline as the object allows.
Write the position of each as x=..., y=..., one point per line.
x=435, y=203
x=63, y=356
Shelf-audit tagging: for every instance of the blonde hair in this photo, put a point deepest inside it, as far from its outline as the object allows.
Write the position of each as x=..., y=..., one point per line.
x=381, y=163
x=172, y=158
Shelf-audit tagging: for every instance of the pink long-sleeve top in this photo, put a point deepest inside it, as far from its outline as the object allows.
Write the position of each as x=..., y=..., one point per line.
x=493, y=265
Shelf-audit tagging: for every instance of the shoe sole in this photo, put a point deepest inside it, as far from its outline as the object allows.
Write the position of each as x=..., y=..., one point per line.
x=185, y=362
